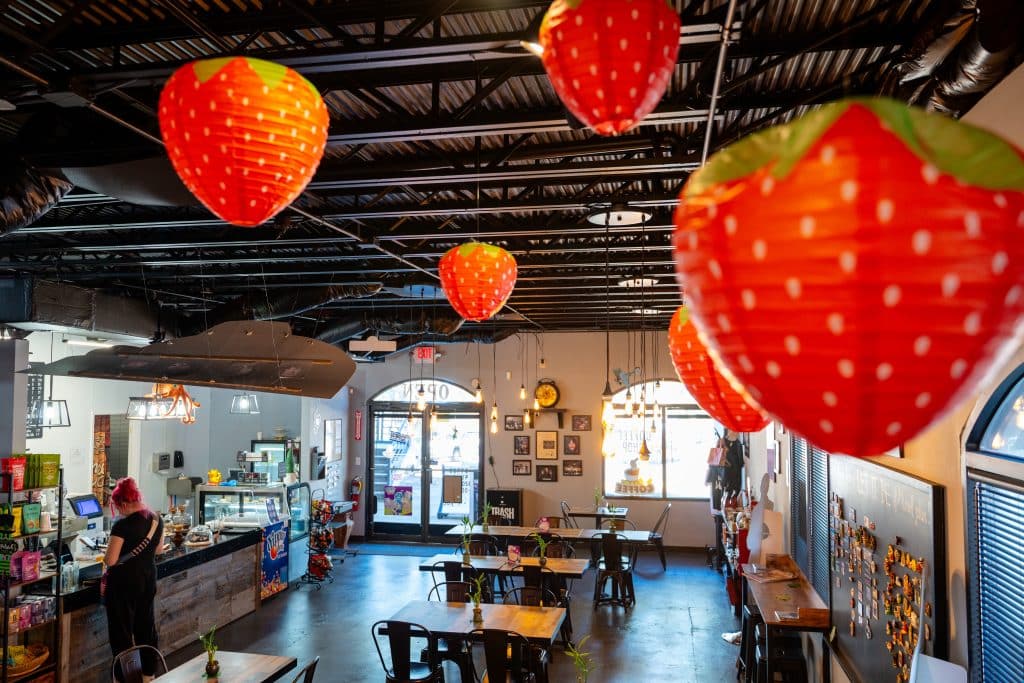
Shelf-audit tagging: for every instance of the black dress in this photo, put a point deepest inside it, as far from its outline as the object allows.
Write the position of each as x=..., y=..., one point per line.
x=131, y=586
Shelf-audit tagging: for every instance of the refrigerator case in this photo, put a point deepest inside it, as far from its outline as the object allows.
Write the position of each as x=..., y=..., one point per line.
x=299, y=509
x=242, y=502
x=274, y=466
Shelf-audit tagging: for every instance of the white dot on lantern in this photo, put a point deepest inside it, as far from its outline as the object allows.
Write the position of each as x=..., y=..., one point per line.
x=846, y=368
x=1020, y=219
x=187, y=136
x=972, y=224
x=223, y=77
x=271, y=136
x=749, y=299
x=282, y=113
x=198, y=171
x=614, y=75
x=247, y=136
x=724, y=323
x=191, y=113
x=228, y=122
x=245, y=171
x=206, y=158
x=689, y=366
x=835, y=323
x=263, y=188
x=891, y=295
x=206, y=131
x=222, y=201
x=575, y=54
x=715, y=269
x=773, y=369
x=231, y=92
x=826, y=426
x=222, y=185
x=635, y=14
x=999, y=262
x=223, y=149
x=921, y=242
x=305, y=114
x=284, y=156
x=259, y=116
x=923, y=399
x=252, y=202
x=767, y=185
x=848, y=261
x=213, y=105
x=792, y=345
x=930, y=174
x=593, y=69
x=731, y=225
x=745, y=363
x=579, y=20
x=609, y=22
x=227, y=170
x=793, y=287
x=1000, y=199
x=883, y=371
x=760, y=249
x=712, y=210
x=922, y=344
x=848, y=190
x=261, y=161
x=561, y=36
x=950, y=283
x=972, y=323
x=807, y=226
x=1013, y=295
x=600, y=93
x=266, y=90
x=885, y=210
x=295, y=132
x=632, y=92
x=828, y=154
x=637, y=66
x=245, y=101
x=958, y=368
x=830, y=399
x=893, y=429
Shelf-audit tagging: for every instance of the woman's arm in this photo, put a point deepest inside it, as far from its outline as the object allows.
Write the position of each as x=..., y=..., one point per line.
x=113, y=551
x=159, y=539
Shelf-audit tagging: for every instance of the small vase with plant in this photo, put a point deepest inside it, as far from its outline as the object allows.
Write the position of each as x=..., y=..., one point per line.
x=598, y=494
x=477, y=595
x=486, y=518
x=212, y=666
x=580, y=660
x=542, y=548
x=467, y=536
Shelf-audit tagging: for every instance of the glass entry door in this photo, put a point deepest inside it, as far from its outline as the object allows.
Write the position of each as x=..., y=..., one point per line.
x=426, y=474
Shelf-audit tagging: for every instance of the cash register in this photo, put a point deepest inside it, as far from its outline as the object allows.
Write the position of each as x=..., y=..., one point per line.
x=86, y=512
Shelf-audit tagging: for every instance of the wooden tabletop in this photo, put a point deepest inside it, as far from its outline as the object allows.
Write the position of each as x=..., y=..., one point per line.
x=634, y=535
x=512, y=531
x=789, y=595
x=539, y=625
x=591, y=511
x=569, y=567
x=236, y=667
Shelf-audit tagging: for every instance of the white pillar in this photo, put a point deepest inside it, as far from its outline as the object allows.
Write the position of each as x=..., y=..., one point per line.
x=13, y=395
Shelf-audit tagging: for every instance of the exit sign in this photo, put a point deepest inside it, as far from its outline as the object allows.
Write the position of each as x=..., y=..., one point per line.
x=424, y=355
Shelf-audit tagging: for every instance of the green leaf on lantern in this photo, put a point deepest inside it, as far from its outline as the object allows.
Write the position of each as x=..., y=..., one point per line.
x=270, y=73
x=205, y=69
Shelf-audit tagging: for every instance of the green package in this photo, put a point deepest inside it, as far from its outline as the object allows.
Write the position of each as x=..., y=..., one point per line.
x=30, y=513
x=49, y=470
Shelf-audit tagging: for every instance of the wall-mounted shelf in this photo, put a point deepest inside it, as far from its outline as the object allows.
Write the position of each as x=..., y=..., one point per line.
x=559, y=411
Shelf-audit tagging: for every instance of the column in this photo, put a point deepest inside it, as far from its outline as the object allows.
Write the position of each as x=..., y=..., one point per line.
x=13, y=395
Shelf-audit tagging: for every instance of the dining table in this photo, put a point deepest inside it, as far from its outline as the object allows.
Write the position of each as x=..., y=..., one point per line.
x=454, y=620
x=235, y=667
x=566, y=567
x=503, y=531
x=598, y=512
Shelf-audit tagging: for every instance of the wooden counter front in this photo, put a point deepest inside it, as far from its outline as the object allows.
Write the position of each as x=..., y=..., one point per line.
x=187, y=603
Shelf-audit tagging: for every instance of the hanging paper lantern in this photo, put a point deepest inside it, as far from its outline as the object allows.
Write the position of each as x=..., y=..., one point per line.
x=609, y=60
x=477, y=278
x=857, y=270
x=709, y=388
x=244, y=135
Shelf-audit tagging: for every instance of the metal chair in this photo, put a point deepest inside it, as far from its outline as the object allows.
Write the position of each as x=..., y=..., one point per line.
x=306, y=675
x=508, y=656
x=531, y=596
x=570, y=523
x=617, y=524
x=656, y=537
x=548, y=580
x=455, y=570
x=616, y=566
x=453, y=591
x=402, y=669
x=130, y=663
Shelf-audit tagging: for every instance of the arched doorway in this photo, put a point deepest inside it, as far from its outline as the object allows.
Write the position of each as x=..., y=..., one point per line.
x=425, y=468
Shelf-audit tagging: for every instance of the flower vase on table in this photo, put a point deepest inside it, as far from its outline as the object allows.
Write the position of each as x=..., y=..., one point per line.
x=478, y=615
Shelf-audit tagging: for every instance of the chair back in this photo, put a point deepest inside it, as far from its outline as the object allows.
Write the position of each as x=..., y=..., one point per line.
x=481, y=544
x=613, y=548
x=498, y=520
x=531, y=596
x=400, y=636
x=662, y=523
x=453, y=570
x=130, y=663
x=451, y=591
x=558, y=547
x=506, y=655
x=306, y=675
x=569, y=521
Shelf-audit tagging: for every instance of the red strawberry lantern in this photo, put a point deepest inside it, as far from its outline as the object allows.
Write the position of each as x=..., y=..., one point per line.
x=610, y=60
x=706, y=384
x=244, y=135
x=857, y=270
x=477, y=278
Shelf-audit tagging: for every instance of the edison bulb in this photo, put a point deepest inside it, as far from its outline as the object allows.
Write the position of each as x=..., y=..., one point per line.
x=433, y=418
x=479, y=396
x=421, y=403
x=527, y=418
x=494, y=426
x=522, y=392
x=536, y=404
x=494, y=411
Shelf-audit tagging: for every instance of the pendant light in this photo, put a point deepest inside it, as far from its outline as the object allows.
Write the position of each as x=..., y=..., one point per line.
x=494, y=379
x=608, y=410
x=421, y=399
x=527, y=417
x=49, y=412
x=245, y=404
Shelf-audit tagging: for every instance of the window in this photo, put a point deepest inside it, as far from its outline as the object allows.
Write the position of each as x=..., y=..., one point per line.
x=1004, y=433
x=678, y=427
x=437, y=391
x=809, y=515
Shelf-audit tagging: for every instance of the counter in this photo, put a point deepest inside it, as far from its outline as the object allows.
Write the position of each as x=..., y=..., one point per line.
x=196, y=588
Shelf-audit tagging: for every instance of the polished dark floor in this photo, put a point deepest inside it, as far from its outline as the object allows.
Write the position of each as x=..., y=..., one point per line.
x=672, y=634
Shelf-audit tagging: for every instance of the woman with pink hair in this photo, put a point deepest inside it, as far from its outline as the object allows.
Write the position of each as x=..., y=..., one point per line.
x=129, y=583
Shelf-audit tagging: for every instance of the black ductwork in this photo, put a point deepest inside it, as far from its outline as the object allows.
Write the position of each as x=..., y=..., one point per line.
x=469, y=337
x=957, y=60
x=439, y=326
x=255, y=306
x=26, y=193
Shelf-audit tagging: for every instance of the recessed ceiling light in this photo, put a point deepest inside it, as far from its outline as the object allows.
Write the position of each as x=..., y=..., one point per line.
x=637, y=282
x=618, y=214
x=646, y=311
x=93, y=343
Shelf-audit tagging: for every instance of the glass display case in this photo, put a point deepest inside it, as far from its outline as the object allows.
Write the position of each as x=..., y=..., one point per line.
x=299, y=509
x=247, y=505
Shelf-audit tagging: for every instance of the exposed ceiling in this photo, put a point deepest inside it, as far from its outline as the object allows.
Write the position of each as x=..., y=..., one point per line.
x=443, y=128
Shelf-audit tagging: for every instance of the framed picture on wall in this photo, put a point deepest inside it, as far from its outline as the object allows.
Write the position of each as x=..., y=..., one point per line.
x=522, y=467
x=572, y=468
x=547, y=446
x=571, y=444
x=547, y=472
x=581, y=423
x=513, y=423
x=521, y=445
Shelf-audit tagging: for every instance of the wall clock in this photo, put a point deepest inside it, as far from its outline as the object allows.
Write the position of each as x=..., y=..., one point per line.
x=546, y=393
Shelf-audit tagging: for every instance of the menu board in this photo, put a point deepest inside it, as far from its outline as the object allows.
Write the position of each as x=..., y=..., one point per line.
x=888, y=535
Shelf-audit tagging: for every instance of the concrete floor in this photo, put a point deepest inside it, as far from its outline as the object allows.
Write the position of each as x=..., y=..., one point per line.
x=672, y=634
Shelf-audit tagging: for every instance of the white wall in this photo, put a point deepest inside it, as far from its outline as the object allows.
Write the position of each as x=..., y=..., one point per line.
x=576, y=361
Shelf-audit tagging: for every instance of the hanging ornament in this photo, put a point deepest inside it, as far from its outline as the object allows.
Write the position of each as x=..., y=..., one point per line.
x=477, y=278
x=243, y=134
x=857, y=270
x=709, y=388
x=644, y=452
x=610, y=61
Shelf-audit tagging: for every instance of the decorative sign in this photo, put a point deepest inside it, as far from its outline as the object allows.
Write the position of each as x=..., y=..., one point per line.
x=424, y=355
x=35, y=393
x=357, y=425
x=398, y=501
x=274, y=565
x=272, y=510
x=7, y=548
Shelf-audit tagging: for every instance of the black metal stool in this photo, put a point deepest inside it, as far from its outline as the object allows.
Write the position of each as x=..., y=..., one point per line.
x=745, y=661
x=787, y=662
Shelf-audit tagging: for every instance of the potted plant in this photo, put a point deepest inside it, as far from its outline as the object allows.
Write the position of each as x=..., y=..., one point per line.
x=542, y=548
x=212, y=666
x=467, y=535
x=580, y=660
x=487, y=516
x=597, y=497
x=476, y=595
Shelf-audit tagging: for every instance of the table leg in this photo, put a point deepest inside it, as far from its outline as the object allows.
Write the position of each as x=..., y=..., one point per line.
x=769, y=660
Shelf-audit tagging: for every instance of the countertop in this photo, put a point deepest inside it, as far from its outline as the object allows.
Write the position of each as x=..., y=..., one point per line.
x=171, y=562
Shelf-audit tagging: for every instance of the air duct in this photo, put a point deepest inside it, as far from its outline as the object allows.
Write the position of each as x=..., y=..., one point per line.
x=470, y=337
x=347, y=329
x=26, y=193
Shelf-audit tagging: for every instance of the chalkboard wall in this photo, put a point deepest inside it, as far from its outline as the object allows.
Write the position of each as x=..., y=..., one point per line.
x=888, y=533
